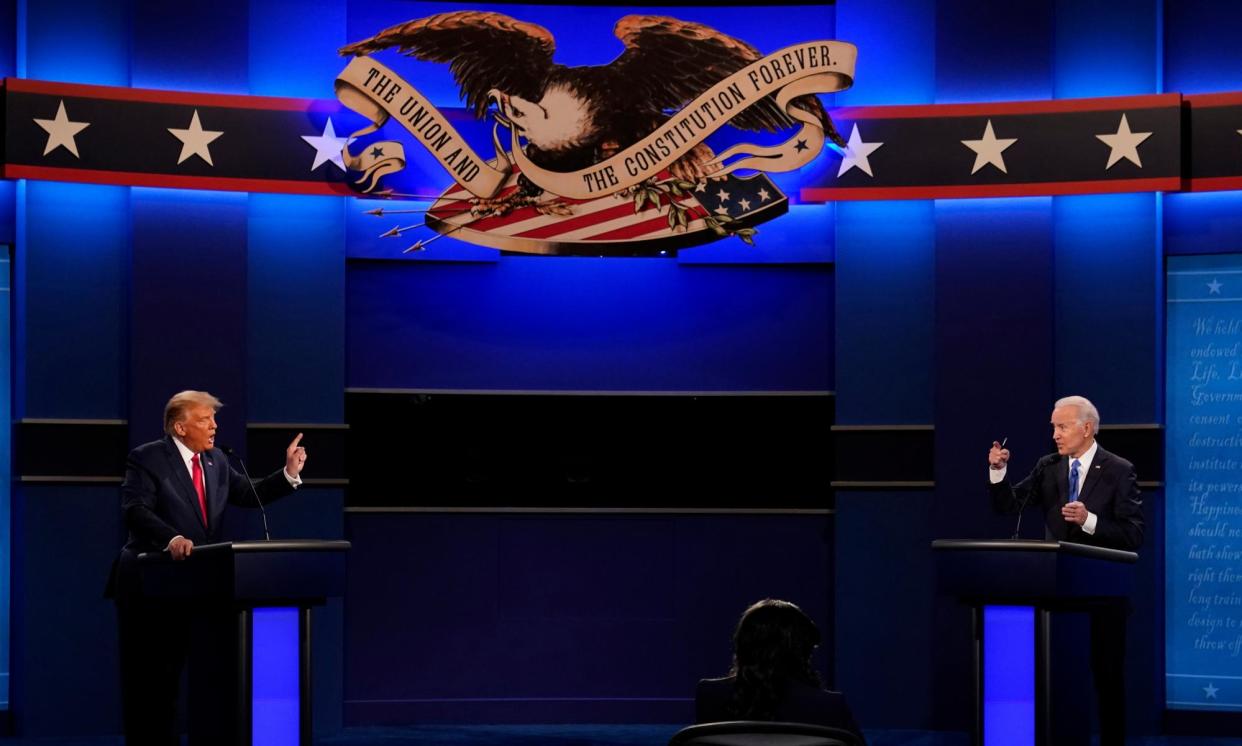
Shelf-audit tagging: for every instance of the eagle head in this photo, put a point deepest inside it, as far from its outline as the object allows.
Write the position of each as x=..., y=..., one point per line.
x=563, y=121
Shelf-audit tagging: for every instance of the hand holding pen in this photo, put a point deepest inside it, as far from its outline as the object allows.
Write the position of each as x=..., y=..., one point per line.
x=998, y=457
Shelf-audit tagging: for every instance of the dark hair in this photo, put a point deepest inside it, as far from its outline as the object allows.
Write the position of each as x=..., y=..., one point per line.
x=772, y=647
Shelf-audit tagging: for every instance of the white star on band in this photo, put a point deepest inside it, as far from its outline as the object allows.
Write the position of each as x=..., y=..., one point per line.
x=988, y=149
x=194, y=140
x=1214, y=286
x=856, y=152
x=1123, y=144
x=328, y=146
x=1209, y=691
x=60, y=131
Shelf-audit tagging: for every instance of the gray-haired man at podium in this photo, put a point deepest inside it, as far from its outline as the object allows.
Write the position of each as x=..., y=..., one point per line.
x=1087, y=496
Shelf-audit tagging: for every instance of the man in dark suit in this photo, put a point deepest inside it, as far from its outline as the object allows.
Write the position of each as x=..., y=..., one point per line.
x=173, y=499
x=1087, y=496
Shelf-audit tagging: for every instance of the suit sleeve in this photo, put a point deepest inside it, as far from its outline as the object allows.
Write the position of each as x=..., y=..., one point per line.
x=138, y=505
x=1008, y=499
x=270, y=488
x=1123, y=529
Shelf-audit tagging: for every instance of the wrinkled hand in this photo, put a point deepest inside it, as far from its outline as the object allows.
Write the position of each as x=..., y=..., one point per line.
x=295, y=457
x=998, y=458
x=1074, y=512
x=180, y=548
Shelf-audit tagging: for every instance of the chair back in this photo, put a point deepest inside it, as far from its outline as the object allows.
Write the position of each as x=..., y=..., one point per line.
x=762, y=733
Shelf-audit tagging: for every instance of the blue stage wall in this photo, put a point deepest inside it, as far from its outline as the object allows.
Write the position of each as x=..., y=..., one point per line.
x=970, y=316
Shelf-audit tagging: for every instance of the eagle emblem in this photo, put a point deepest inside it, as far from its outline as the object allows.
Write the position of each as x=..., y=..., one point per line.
x=606, y=159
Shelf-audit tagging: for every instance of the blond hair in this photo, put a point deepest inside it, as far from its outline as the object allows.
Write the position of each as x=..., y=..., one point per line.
x=176, y=408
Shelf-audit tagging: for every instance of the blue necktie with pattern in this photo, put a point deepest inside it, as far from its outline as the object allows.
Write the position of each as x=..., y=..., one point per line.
x=1073, y=491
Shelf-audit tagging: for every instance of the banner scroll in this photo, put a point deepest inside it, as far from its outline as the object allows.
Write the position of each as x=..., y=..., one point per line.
x=374, y=91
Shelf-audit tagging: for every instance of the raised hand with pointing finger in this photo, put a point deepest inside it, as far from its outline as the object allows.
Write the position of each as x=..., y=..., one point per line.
x=295, y=457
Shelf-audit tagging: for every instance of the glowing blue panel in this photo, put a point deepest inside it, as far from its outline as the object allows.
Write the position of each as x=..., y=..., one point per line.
x=1203, y=570
x=5, y=473
x=572, y=324
x=885, y=274
x=190, y=46
x=1008, y=676
x=8, y=40
x=8, y=211
x=896, y=42
x=275, y=711
x=293, y=47
x=1202, y=222
x=1107, y=264
x=1201, y=50
x=295, y=308
x=1121, y=62
x=74, y=41
x=73, y=287
x=988, y=51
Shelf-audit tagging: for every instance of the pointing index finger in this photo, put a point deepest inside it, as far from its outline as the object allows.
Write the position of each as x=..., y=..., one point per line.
x=295, y=442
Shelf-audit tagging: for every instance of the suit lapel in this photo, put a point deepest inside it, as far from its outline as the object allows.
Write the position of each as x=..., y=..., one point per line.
x=1063, y=480
x=181, y=477
x=211, y=481
x=1091, y=476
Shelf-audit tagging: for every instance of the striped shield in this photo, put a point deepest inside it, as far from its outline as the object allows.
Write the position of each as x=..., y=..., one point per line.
x=653, y=219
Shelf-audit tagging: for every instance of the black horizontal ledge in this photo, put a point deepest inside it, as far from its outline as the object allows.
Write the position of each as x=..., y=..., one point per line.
x=40, y=454
x=61, y=479
x=883, y=485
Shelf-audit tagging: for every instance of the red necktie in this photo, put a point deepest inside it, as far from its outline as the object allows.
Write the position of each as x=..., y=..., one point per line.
x=198, y=487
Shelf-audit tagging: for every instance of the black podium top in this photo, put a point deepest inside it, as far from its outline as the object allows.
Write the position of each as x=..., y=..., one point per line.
x=1031, y=572
x=300, y=572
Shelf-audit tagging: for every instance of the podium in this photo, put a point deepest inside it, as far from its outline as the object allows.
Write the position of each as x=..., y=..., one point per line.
x=250, y=658
x=1014, y=587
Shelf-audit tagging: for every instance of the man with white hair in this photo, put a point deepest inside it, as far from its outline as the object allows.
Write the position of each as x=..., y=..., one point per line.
x=1088, y=496
x=173, y=499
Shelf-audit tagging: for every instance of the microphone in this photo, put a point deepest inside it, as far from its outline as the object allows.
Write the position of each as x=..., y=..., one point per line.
x=231, y=453
x=1037, y=476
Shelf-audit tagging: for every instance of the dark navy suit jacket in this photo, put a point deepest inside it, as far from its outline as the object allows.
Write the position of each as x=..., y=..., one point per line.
x=801, y=703
x=158, y=502
x=1109, y=489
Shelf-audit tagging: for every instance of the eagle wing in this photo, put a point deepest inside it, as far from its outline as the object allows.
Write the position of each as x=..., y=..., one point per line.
x=669, y=62
x=484, y=51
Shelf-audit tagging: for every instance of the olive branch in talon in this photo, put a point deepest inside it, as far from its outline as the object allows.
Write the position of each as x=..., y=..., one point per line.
x=678, y=214
x=720, y=224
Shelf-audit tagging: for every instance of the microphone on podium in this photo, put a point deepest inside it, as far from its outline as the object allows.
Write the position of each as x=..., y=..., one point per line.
x=231, y=453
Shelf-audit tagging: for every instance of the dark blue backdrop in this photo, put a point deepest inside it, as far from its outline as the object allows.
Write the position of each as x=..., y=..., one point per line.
x=966, y=316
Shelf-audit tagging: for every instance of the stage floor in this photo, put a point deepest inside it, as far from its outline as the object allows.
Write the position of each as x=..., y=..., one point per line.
x=591, y=735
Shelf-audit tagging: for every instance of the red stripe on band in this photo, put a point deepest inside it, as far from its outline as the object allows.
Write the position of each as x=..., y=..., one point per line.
x=173, y=181
x=1043, y=189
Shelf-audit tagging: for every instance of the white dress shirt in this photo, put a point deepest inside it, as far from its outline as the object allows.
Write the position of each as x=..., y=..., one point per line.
x=187, y=457
x=1084, y=465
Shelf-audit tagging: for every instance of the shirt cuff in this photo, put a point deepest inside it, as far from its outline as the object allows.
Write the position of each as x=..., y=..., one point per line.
x=1089, y=526
x=294, y=482
x=997, y=475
